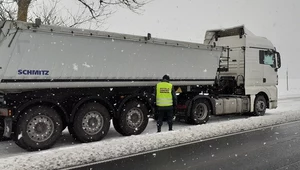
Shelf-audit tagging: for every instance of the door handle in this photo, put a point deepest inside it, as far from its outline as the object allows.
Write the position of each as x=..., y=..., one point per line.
x=264, y=80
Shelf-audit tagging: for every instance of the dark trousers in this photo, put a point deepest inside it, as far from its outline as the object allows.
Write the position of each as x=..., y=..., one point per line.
x=162, y=113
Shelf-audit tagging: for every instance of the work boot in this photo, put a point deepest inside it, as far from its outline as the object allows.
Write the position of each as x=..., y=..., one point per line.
x=158, y=129
x=170, y=127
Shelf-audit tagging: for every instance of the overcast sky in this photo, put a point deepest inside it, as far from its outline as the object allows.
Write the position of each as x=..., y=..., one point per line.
x=278, y=20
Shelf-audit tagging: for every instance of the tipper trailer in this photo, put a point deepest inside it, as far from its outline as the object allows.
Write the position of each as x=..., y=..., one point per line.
x=56, y=77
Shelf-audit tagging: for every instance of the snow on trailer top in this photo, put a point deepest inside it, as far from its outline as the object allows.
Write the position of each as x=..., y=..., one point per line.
x=241, y=37
x=104, y=34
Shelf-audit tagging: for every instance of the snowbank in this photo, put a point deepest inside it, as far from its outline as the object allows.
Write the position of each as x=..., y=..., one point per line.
x=102, y=150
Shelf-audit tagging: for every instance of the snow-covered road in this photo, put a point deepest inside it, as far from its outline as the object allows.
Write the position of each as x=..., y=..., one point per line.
x=68, y=153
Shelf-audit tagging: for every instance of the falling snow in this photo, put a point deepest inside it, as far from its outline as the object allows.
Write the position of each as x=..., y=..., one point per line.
x=86, y=65
x=75, y=67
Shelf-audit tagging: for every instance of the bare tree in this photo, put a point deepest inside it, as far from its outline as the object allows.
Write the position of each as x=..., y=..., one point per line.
x=8, y=10
x=95, y=5
x=54, y=12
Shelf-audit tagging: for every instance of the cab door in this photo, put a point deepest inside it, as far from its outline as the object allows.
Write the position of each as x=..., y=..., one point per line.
x=268, y=60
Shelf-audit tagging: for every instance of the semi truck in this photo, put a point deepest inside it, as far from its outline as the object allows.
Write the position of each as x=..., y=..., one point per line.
x=52, y=78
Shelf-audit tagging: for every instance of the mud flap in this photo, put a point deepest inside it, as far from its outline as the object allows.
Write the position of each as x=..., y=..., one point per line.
x=7, y=127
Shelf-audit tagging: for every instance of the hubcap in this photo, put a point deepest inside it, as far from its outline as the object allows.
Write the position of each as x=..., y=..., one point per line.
x=260, y=105
x=200, y=111
x=40, y=128
x=134, y=118
x=92, y=122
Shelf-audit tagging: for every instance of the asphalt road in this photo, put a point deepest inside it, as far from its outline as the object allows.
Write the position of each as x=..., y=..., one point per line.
x=271, y=148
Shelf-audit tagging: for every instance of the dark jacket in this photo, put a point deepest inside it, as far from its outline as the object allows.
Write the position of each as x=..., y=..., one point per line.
x=174, y=97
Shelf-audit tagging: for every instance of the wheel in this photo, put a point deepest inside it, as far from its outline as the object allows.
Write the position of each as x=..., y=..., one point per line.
x=64, y=126
x=1, y=129
x=38, y=128
x=200, y=112
x=117, y=125
x=2, y=138
x=71, y=131
x=133, y=118
x=260, y=106
x=91, y=123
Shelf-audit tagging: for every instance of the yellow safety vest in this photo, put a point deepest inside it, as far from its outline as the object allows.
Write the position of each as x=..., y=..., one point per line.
x=164, y=94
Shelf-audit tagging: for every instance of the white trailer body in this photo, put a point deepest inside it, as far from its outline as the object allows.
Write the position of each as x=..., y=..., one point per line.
x=55, y=57
x=56, y=77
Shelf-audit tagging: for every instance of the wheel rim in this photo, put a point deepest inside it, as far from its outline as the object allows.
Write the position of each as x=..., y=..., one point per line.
x=134, y=118
x=200, y=111
x=260, y=106
x=40, y=128
x=92, y=122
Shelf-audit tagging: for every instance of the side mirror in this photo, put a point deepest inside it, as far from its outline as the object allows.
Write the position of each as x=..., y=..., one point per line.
x=278, y=60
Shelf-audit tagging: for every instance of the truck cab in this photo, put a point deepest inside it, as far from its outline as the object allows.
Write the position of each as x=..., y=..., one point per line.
x=250, y=66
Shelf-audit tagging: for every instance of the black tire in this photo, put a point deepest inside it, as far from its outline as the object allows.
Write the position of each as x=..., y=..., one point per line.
x=38, y=118
x=117, y=125
x=1, y=129
x=260, y=106
x=89, y=115
x=71, y=131
x=200, y=112
x=64, y=127
x=2, y=138
x=139, y=113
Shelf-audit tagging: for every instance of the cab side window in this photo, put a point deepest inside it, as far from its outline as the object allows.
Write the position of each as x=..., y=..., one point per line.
x=267, y=58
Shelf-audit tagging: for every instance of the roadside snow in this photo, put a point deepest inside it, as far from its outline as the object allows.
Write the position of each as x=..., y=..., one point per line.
x=86, y=153
x=292, y=89
x=288, y=94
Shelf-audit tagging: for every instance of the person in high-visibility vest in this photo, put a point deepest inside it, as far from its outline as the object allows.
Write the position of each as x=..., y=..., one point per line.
x=166, y=100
